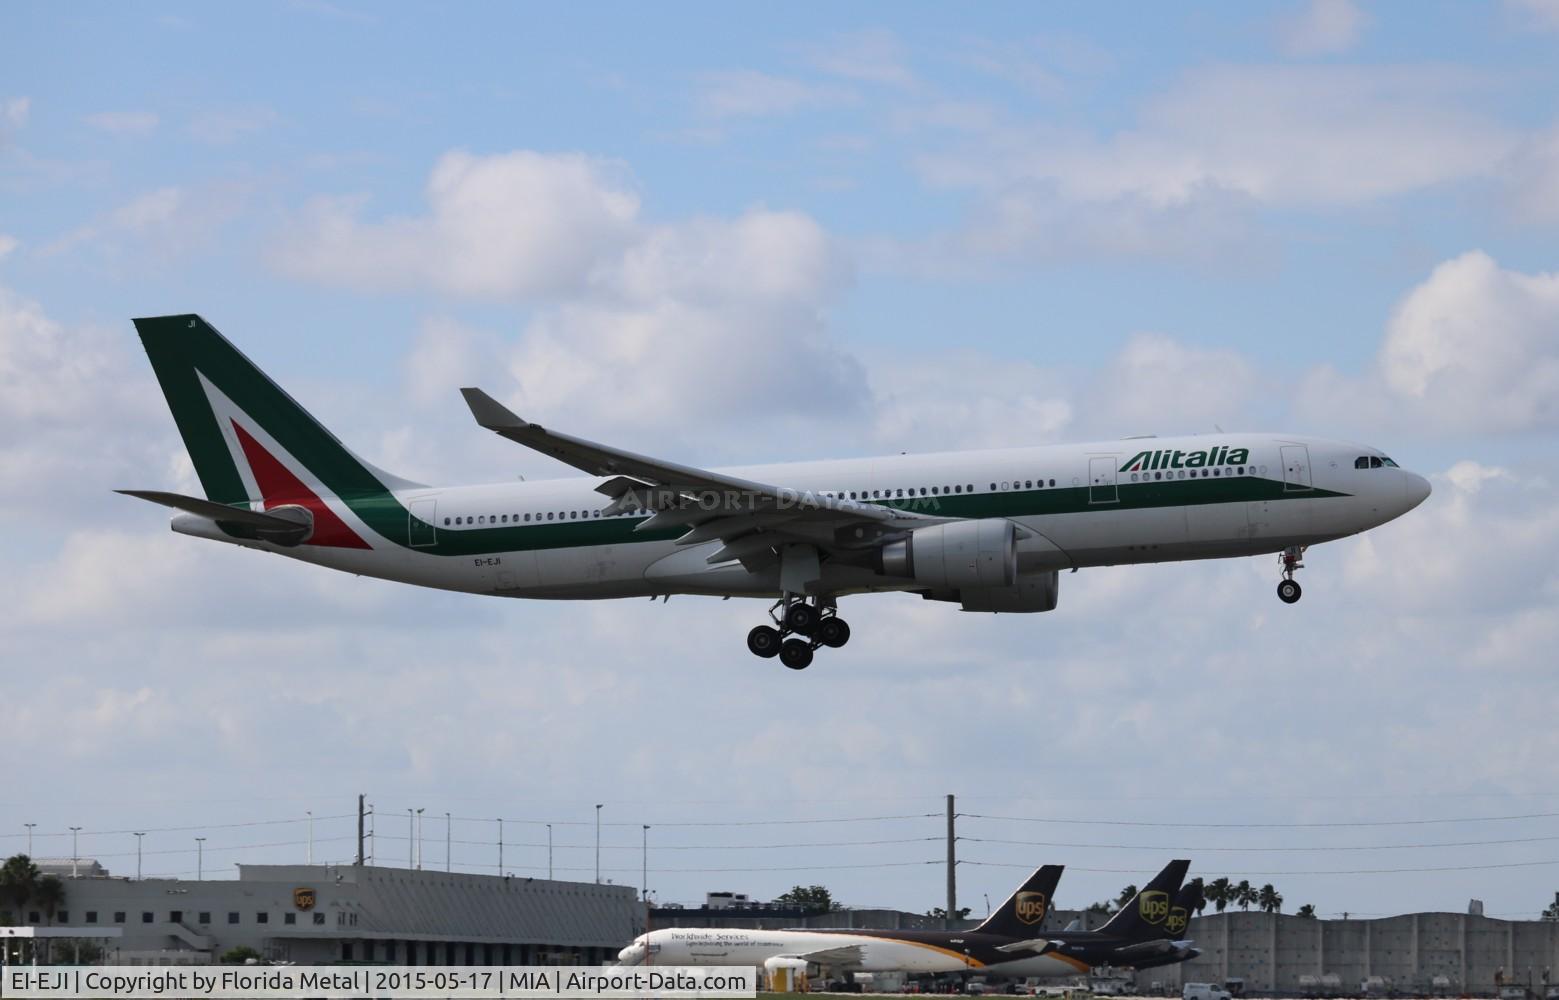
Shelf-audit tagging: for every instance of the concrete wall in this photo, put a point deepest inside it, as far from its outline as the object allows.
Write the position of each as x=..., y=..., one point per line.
x=1271, y=952
x=368, y=913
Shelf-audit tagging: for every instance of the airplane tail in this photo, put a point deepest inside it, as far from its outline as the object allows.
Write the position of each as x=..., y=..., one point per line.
x=1183, y=908
x=251, y=443
x=1144, y=917
x=1024, y=911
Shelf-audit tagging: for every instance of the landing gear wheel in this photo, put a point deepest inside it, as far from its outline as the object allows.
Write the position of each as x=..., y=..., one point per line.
x=795, y=654
x=1288, y=591
x=832, y=632
x=764, y=641
x=801, y=618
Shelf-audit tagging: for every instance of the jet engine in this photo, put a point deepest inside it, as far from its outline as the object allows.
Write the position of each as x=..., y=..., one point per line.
x=1032, y=593
x=956, y=555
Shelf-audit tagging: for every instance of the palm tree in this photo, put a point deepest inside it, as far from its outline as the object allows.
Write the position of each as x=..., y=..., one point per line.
x=1307, y=911
x=49, y=894
x=18, y=882
x=1270, y=900
x=1244, y=894
x=1201, y=895
x=1125, y=897
x=1220, y=892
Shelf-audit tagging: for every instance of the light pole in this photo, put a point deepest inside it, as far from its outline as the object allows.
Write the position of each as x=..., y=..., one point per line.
x=419, y=839
x=448, y=835
x=200, y=858
x=311, y=835
x=500, y=847
x=644, y=866
x=598, y=843
x=411, y=838
x=29, y=827
x=549, y=852
x=138, y=837
x=75, y=851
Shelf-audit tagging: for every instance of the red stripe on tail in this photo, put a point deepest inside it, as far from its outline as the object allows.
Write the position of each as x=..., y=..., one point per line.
x=279, y=486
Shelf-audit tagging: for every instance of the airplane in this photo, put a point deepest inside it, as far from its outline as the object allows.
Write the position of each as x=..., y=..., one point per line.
x=989, y=531
x=1167, y=948
x=1004, y=945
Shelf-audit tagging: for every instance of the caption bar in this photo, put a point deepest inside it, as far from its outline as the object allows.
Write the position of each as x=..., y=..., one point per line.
x=261, y=982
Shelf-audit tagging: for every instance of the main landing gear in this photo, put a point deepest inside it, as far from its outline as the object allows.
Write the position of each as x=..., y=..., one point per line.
x=1289, y=590
x=816, y=624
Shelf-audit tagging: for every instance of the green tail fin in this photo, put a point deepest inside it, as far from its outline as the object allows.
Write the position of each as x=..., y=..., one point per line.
x=241, y=429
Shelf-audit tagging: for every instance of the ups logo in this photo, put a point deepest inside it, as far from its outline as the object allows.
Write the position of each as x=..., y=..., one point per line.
x=1031, y=907
x=303, y=899
x=1153, y=906
x=1177, y=919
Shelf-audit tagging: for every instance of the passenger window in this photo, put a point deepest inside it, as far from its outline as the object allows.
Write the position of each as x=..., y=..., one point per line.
x=446, y=522
x=1006, y=485
x=970, y=487
x=958, y=489
x=505, y=519
x=945, y=489
x=1216, y=472
x=922, y=491
x=549, y=515
x=1052, y=482
x=1028, y=484
x=933, y=491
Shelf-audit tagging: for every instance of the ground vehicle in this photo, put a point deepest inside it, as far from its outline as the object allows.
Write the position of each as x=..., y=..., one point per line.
x=1204, y=991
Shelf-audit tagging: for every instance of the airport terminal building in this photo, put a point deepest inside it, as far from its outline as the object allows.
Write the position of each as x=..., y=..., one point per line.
x=320, y=914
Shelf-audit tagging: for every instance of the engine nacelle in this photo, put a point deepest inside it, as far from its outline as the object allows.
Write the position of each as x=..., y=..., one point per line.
x=957, y=555
x=1034, y=592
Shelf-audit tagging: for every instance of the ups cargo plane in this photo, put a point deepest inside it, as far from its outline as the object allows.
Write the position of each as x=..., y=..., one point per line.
x=1009, y=943
x=984, y=530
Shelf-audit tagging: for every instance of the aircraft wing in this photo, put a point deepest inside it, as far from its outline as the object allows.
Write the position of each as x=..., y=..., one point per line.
x=1161, y=946
x=749, y=517
x=842, y=957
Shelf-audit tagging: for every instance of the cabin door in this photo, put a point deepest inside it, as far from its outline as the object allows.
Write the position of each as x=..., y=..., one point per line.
x=1101, y=479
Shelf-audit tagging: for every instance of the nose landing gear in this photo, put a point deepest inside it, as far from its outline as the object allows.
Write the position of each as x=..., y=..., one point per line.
x=1289, y=590
x=816, y=624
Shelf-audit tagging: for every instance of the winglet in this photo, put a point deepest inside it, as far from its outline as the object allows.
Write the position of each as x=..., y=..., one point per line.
x=489, y=412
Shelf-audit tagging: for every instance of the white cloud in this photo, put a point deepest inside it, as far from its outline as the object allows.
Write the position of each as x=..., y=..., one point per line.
x=1157, y=383
x=124, y=122
x=1532, y=177
x=13, y=115
x=1472, y=349
x=1540, y=14
x=155, y=226
x=14, y=111
x=518, y=224
x=873, y=56
x=1324, y=27
x=7, y=244
x=752, y=94
x=220, y=127
x=1479, y=344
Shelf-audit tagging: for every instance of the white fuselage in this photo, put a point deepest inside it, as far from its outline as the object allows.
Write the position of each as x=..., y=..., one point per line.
x=868, y=951
x=1081, y=505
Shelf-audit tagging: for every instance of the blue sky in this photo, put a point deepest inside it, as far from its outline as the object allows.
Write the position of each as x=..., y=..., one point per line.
x=742, y=234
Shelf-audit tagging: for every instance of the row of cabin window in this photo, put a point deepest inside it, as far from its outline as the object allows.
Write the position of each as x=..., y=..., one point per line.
x=177, y=917
x=1238, y=470
x=562, y=515
x=890, y=494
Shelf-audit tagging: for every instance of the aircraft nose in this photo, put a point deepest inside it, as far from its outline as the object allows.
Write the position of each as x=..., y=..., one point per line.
x=1415, y=489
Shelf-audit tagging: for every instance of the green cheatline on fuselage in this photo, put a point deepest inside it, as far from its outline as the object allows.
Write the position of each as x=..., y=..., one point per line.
x=384, y=509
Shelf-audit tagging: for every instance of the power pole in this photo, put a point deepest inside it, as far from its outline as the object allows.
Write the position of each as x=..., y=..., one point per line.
x=952, y=863
x=500, y=847
x=448, y=834
x=138, y=855
x=598, y=843
x=549, y=852
x=360, y=831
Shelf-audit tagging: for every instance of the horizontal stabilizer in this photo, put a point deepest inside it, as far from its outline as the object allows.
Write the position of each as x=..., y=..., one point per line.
x=1037, y=945
x=291, y=526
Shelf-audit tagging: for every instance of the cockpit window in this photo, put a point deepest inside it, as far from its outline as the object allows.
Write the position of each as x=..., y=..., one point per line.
x=1388, y=462
x=1372, y=462
x=1362, y=462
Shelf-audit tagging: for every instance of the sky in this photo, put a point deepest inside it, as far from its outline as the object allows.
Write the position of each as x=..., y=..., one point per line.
x=742, y=234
